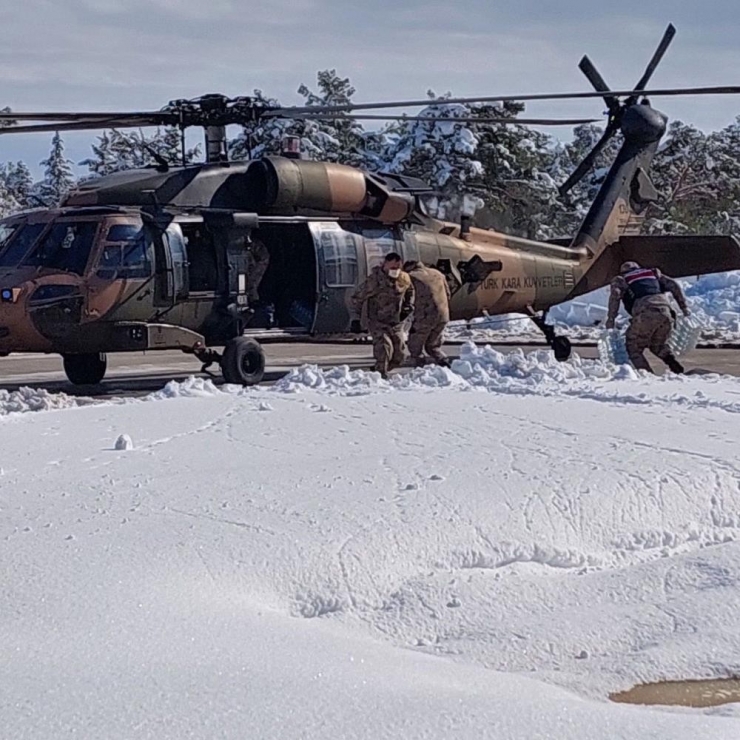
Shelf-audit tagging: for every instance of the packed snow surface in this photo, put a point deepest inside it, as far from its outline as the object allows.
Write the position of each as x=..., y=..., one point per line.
x=481, y=552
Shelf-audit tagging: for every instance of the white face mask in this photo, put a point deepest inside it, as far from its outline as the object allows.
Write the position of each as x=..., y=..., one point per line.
x=394, y=273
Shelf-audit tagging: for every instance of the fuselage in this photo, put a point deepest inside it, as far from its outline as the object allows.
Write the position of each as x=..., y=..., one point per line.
x=87, y=279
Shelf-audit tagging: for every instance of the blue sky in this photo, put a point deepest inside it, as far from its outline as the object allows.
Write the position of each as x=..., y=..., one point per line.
x=138, y=54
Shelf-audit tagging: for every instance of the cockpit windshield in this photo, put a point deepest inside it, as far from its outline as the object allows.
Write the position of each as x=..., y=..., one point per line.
x=18, y=242
x=66, y=246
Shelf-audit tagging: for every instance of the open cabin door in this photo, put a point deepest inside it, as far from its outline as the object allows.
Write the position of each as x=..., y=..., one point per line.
x=337, y=275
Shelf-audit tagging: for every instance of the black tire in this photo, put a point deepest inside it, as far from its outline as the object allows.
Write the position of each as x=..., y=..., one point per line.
x=243, y=361
x=562, y=349
x=87, y=369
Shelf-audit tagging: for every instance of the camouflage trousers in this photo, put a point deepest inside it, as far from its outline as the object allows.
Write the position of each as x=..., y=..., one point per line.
x=389, y=347
x=426, y=336
x=650, y=329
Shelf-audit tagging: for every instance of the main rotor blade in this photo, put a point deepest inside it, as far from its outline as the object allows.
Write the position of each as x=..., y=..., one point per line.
x=587, y=67
x=71, y=117
x=80, y=126
x=665, y=42
x=662, y=92
x=588, y=161
x=461, y=119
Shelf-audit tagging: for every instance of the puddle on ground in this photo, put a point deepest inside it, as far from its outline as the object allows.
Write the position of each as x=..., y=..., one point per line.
x=706, y=693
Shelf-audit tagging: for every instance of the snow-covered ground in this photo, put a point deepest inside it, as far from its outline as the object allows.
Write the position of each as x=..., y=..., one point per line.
x=714, y=299
x=478, y=553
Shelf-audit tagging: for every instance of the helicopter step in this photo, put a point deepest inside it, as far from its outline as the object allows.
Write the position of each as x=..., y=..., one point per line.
x=560, y=345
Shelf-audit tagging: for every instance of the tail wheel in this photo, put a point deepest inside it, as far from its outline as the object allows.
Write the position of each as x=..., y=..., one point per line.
x=243, y=361
x=562, y=349
x=86, y=369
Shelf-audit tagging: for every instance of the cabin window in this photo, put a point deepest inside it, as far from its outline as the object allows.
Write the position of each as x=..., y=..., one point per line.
x=340, y=258
x=66, y=246
x=125, y=253
x=19, y=242
x=179, y=260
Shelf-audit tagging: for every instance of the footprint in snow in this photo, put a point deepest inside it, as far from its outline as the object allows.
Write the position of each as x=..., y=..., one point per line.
x=264, y=406
x=436, y=478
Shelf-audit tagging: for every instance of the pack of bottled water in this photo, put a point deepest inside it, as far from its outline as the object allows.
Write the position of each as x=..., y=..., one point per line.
x=684, y=338
x=613, y=348
x=685, y=335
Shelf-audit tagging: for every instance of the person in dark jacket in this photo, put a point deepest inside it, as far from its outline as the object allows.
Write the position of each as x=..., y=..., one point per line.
x=643, y=291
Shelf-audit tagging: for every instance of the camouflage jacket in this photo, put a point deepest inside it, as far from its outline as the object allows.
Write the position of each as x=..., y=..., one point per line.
x=667, y=285
x=432, y=294
x=381, y=299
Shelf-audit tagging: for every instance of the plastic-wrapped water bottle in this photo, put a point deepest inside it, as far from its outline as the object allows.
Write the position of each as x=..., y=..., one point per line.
x=685, y=335
x=612, y=347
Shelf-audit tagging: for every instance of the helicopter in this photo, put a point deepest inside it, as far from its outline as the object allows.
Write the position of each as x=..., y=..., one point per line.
x=158, y=258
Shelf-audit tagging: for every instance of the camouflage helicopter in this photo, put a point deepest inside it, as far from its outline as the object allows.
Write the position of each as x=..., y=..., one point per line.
x=157, y=258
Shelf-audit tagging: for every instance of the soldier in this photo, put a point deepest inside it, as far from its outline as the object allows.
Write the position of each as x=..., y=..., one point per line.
x=258, y=260
x=385, y=300
x=643, y=291
x=431, y=312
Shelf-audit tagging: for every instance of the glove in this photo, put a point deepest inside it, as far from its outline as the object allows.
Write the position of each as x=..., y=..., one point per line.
x=356, y=326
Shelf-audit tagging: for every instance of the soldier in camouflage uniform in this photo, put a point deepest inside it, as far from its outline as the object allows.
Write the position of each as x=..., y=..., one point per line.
x=643, y=292
x=385, y=300
x=258, y=260
x=431, y=313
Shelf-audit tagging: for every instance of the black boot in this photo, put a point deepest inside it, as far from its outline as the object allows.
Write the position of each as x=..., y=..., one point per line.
x=674, y=365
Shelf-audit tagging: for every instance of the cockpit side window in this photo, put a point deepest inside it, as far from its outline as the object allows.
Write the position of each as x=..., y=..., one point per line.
x=66, y=246
x=125, y=253
x=18, y=243
x=6, y=231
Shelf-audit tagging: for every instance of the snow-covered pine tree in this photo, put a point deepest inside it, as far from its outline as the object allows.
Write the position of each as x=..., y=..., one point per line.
x=568, y=212
x=443, y=154
x=341, y=140
x=125, y=150
x=58, y=176
x=8, y=204
x=724, y=164
x=264, y=138
x=520, y=192
x=683, y=173
x=17, y=183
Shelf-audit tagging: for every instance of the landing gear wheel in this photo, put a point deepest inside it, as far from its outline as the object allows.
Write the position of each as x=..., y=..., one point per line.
x=561, y=347
x=243, y=361
x=87, y=369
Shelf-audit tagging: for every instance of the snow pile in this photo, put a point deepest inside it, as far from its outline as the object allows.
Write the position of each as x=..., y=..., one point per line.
x=477, y=368
x=33, y=399
x=191, y=387
x=539, y=371
x=716, y=300
x=342, y=380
